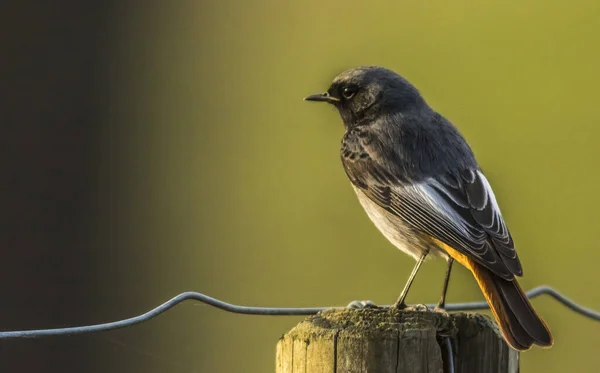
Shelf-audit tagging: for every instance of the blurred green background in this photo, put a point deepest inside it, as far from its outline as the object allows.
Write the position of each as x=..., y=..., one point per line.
x=220, y=179
x=232, y=185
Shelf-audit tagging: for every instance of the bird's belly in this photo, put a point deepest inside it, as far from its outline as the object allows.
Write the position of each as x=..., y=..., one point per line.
x=395, y=230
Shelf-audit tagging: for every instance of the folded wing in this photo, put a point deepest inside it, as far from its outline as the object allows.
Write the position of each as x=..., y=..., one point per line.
x=458, y=209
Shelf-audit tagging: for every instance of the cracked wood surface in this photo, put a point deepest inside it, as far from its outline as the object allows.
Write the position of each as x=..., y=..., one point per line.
x=392, y=341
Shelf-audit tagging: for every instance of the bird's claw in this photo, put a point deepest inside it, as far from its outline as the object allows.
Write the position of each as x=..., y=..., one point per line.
x=440, y=309
x=416, y=307
x=361, y=304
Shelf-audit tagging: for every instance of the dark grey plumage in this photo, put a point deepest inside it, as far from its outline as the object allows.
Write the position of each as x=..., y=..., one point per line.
x=419, y=182
x=414, y=163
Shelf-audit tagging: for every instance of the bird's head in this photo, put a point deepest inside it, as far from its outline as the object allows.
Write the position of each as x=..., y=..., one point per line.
x=365, y=92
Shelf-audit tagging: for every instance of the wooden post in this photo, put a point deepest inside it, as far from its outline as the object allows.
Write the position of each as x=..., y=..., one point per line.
x=392, y=341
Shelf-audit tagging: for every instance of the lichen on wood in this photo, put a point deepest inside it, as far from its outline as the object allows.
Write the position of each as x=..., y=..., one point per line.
x=389, y=340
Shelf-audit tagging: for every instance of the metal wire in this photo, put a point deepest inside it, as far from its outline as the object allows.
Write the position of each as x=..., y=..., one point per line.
x=269, y=311
x=449, y=355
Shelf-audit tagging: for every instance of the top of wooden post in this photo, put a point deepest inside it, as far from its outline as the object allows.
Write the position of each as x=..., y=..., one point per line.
x=384, y=340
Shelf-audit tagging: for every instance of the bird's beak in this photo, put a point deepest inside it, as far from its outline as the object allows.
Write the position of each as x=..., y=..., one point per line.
x=325, y=97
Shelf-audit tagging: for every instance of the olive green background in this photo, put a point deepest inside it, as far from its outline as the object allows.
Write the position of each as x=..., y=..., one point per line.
x=229, y=184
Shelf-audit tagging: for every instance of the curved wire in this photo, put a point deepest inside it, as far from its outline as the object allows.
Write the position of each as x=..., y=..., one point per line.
x=449, y=355
x=269, y=311
x=189, y=295
x=533, y=293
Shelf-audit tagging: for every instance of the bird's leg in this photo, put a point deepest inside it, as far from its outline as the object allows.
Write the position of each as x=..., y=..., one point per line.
x=442, y=303
x=400, y=302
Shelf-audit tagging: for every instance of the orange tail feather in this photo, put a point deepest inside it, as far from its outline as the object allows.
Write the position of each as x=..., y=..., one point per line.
x=519, y=323
x=521, y=326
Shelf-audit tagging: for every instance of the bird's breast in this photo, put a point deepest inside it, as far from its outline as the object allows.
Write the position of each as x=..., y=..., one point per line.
x=397, y=231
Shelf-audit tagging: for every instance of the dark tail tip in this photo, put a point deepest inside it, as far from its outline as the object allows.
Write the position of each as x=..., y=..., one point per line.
x=521, y=326
x=523, y=322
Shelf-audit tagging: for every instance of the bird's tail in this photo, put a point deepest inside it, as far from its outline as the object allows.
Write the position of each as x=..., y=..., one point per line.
x=519, y=323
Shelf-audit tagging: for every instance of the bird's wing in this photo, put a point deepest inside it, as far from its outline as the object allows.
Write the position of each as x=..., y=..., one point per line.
x=458, y=210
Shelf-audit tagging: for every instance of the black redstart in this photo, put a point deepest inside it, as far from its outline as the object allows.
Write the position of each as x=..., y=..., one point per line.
x=419, y=182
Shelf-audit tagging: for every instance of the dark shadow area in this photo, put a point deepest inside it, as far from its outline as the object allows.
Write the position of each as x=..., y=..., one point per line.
x=54, y=187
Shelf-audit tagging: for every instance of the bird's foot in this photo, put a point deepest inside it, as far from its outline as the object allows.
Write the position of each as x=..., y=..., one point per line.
x=416, y=307
x=439, y=309
x=399, y=305
x=362, y=304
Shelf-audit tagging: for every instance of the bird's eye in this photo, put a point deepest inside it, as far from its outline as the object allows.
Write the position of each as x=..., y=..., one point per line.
x=349, y=91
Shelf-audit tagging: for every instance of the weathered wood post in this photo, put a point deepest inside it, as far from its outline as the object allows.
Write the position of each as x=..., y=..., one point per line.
x=392, y=341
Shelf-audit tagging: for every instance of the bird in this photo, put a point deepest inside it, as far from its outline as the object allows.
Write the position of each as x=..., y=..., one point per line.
x=419, y=182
